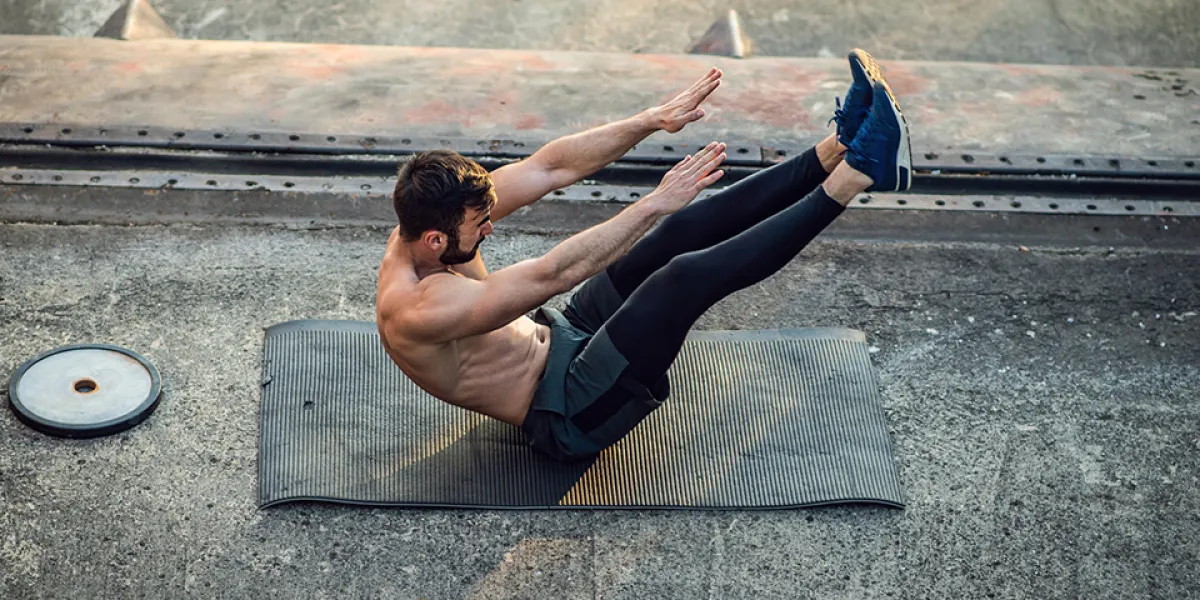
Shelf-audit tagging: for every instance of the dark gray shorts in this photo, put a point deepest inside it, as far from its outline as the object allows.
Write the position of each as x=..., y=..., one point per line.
x=585, y=401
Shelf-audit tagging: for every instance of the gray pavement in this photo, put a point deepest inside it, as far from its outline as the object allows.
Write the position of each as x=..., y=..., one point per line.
x=1043, y=403
x=1156, y=33
x=1043, y=407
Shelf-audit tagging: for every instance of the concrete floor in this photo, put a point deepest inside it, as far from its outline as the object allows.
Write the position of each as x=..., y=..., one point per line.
x=1152, y=33
x=1042, y=403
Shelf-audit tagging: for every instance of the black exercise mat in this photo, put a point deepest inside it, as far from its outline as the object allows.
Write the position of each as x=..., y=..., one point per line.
x=756, y=419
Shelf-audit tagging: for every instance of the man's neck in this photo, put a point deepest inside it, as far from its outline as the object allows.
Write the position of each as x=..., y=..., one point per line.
x=423, y=266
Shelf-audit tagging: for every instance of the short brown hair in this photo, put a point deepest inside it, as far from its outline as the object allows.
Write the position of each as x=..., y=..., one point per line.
x=434, y=190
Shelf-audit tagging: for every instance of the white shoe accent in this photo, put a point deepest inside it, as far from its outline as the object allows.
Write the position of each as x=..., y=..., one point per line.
x=903, y=149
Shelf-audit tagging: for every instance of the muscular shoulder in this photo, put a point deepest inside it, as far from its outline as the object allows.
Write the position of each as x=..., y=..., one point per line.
x=406, y=310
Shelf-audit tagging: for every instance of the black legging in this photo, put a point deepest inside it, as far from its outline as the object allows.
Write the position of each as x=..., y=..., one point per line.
x=710, y=249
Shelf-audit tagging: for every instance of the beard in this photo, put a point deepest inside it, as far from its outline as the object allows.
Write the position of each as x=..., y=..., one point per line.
x=458, y=256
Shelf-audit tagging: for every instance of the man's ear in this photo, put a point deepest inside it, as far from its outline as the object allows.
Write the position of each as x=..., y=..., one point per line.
x=434, y=240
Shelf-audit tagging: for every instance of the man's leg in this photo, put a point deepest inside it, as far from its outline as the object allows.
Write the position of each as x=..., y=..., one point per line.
x=638, y=343
x=714, y=219
x=650, y=327
x=644, y=335
x=702, y=224
x=711, y=221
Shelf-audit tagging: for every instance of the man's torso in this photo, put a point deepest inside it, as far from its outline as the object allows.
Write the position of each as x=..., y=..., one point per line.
x=495, y=373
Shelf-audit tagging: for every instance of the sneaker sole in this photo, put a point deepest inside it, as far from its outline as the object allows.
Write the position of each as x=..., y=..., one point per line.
x=862, y=65
x=904, y=154
x=867, y=63
x=904, y=150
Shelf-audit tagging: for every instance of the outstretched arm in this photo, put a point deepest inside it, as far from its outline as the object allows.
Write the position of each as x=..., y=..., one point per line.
x=569, y=159
x=452, y=307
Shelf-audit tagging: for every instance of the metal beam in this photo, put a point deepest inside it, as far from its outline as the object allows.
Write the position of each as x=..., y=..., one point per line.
x=1020, y=190
x=741, y=153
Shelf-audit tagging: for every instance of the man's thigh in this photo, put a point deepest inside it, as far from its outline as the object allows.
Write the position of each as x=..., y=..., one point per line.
x=603, y=401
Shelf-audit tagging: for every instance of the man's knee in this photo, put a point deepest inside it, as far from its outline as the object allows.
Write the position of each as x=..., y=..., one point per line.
x=694, y=272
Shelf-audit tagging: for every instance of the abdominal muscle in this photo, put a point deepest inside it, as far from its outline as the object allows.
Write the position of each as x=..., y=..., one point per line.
x=495, y=373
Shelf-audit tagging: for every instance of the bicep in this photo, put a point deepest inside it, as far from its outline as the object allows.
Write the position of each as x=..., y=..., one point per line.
x=523, y=183
x=454, y=307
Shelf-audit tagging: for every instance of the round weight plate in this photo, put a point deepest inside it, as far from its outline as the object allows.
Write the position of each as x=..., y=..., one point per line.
x=85, y=390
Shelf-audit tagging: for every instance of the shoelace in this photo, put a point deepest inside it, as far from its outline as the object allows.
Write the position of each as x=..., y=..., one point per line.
x=839, y=113
x=867, y=135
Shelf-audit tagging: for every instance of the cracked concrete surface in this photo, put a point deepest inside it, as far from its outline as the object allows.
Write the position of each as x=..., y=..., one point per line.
x=1042, y=403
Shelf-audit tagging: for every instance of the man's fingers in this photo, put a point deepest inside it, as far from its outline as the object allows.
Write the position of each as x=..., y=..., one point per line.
x=695, y=88
x=718, y=153
x=705, y=85
x=713, y=74
x=702, y=157
x=714, y=81
x=711, y=179
x=707, y=155
x=703, y=81
x=711, y=150
x=685, y=163
x=712, y=163
x=710, y=153
x=689, y=164
x=700, y=94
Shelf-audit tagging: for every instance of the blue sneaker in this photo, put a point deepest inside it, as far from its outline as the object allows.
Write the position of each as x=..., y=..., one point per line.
x=881, y=149
x=850, y=115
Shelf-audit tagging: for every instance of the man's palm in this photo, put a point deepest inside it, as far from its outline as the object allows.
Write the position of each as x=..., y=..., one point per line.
x=684, y=108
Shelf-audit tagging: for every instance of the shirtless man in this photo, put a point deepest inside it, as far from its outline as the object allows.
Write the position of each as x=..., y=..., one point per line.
x=578, y=380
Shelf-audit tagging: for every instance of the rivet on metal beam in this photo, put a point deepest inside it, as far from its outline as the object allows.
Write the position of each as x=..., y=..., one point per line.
x=136, y=20
x=724, y=38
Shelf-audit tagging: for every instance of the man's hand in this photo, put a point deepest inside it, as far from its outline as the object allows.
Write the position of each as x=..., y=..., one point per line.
x=571, y=158
x=685, y=180
x=684, y=108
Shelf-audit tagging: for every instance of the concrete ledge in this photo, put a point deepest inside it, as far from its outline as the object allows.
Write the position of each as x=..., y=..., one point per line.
x=315, y=88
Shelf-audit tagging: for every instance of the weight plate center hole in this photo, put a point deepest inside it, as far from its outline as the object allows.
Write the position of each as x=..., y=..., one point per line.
x=86, y=386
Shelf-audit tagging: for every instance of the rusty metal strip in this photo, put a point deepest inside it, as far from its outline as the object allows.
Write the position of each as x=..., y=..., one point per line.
x=1089, y=165
x=1031, y=205
x=198, y=181
x=382, y=186
x=309, y=143
x=739, y=153
x=252, y=141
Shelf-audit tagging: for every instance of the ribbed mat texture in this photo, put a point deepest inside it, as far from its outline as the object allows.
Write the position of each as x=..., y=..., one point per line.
x=756, y=419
